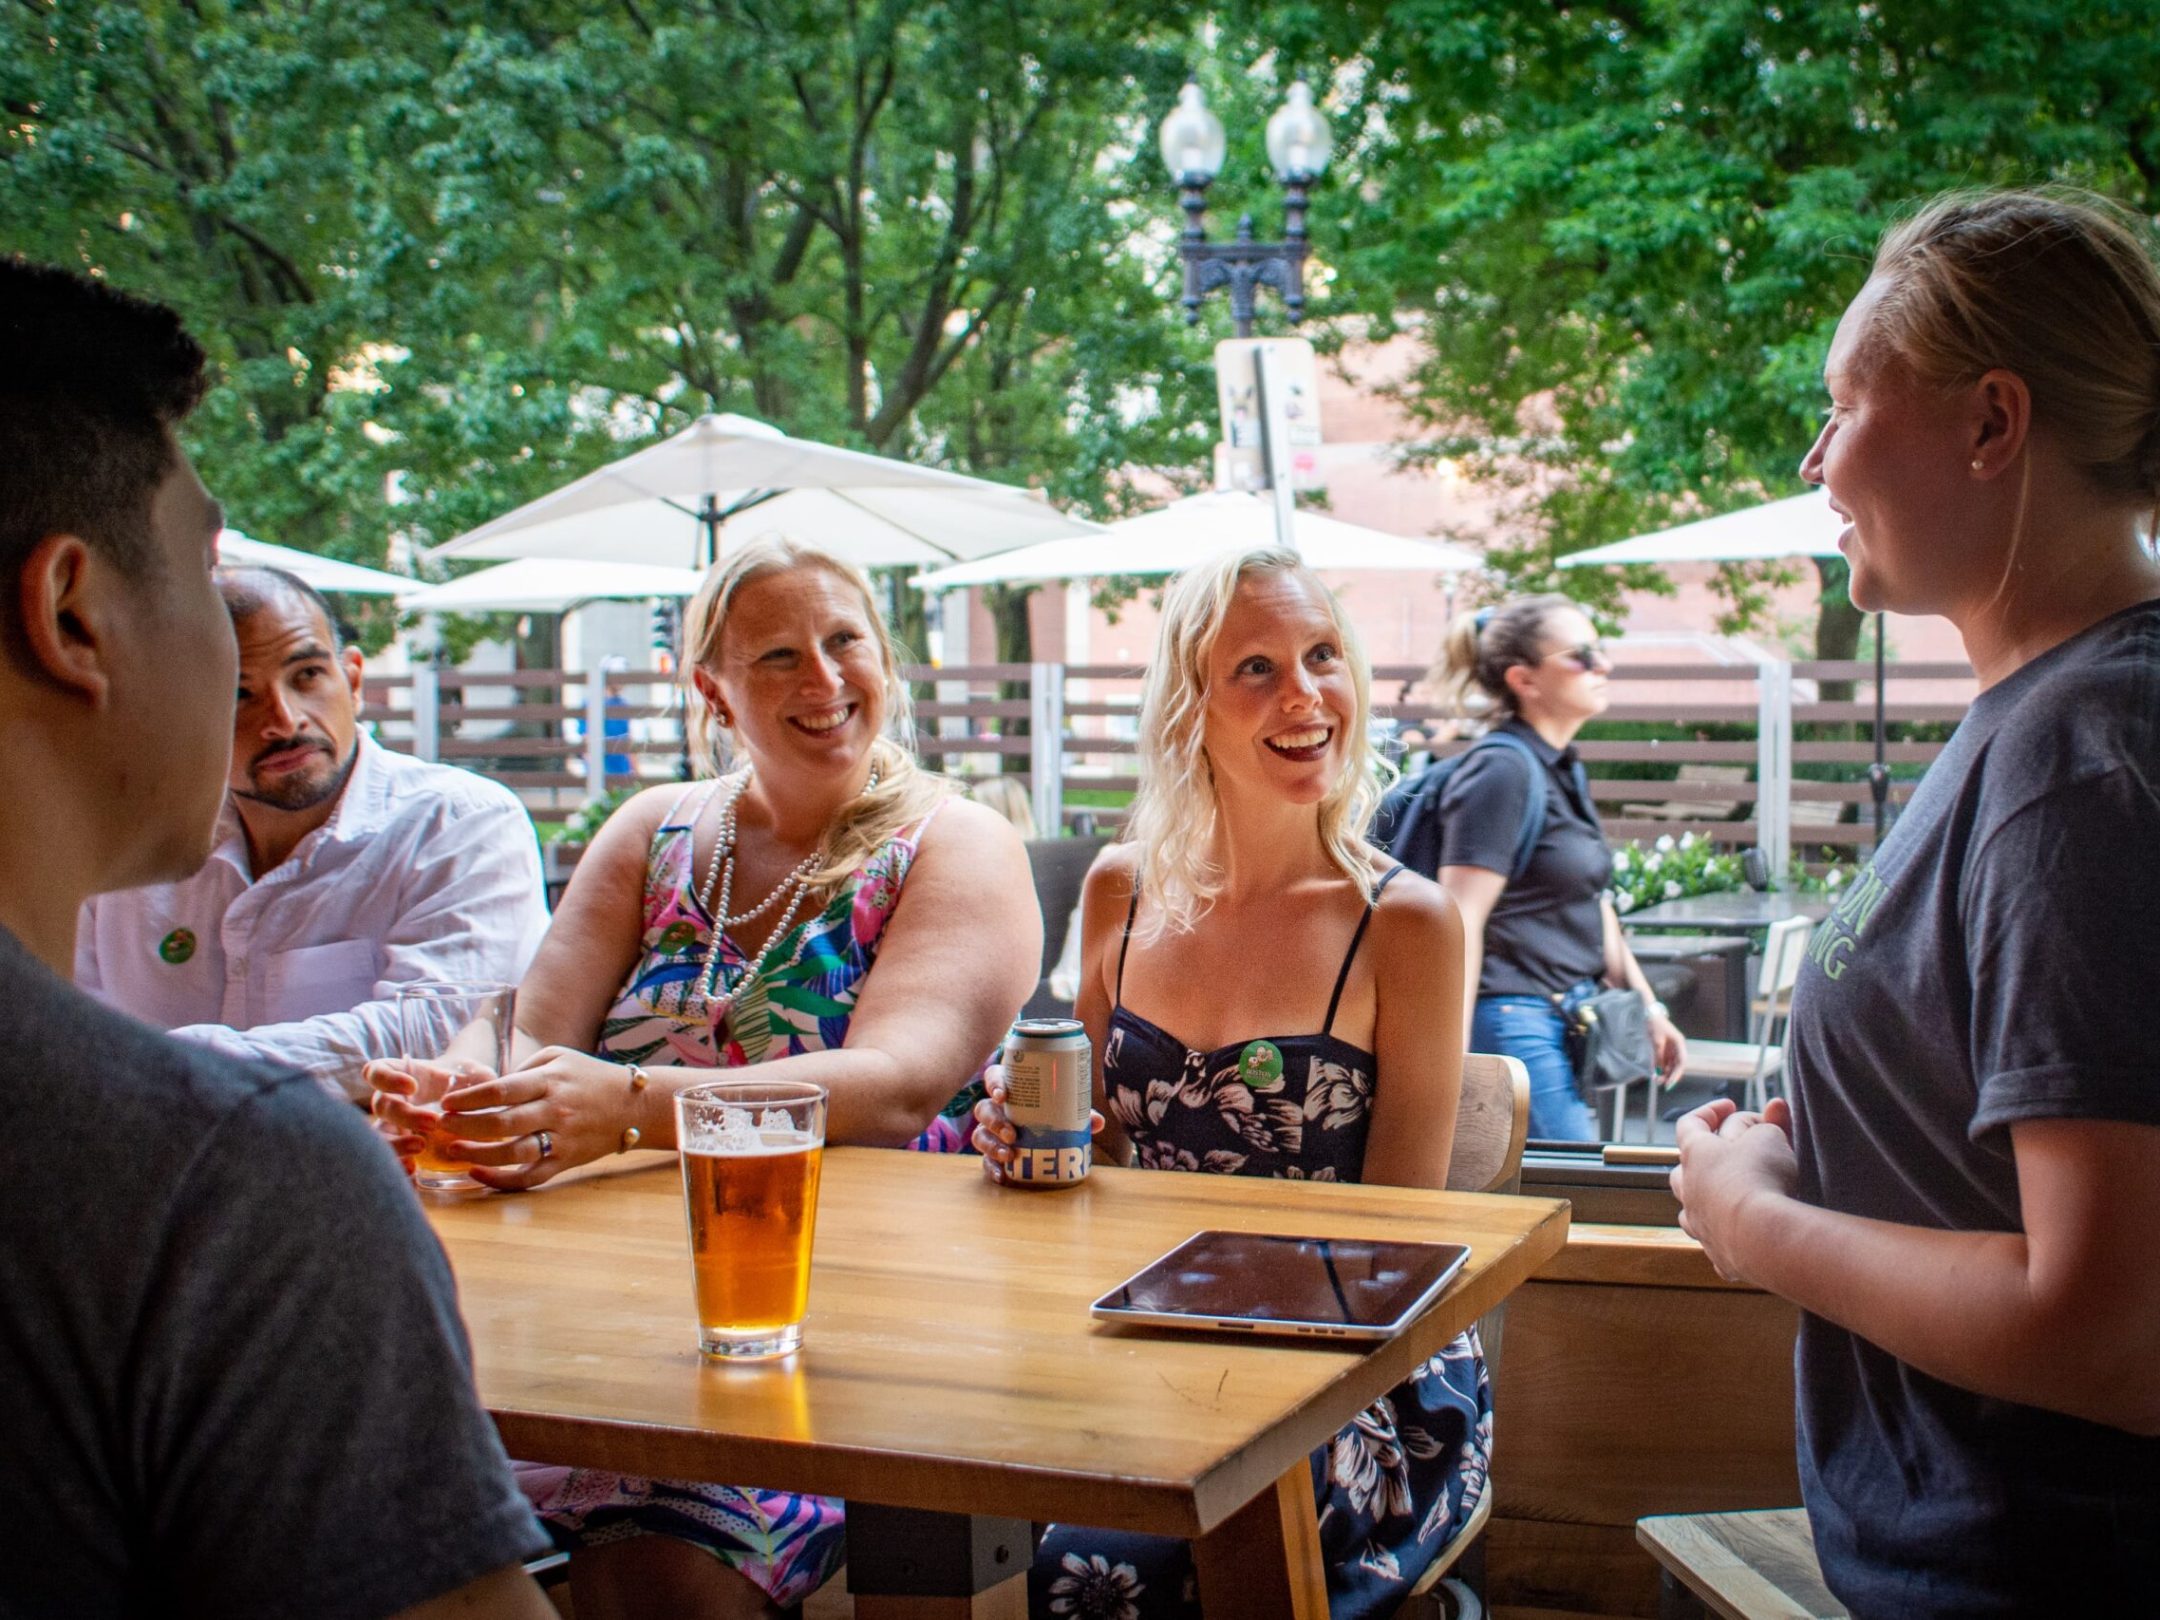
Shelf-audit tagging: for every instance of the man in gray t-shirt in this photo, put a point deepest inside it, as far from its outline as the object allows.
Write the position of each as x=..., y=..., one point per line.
x=232, y=1376
x=233, y=1381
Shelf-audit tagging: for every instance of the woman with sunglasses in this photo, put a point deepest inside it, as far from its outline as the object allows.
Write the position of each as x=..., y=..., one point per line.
x=1545, y=936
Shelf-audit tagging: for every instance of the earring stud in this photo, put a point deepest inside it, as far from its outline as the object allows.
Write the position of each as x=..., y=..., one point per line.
x=1979, y=465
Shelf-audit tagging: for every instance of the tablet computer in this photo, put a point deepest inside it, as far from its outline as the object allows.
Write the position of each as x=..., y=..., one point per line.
x=1257, y=1282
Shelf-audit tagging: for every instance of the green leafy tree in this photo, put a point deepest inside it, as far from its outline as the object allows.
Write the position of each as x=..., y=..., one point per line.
x=1625, y=232
x=198, y=154
x=478, y=248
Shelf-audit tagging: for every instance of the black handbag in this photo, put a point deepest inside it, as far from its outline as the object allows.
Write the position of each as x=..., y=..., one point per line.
x=1608, y=1040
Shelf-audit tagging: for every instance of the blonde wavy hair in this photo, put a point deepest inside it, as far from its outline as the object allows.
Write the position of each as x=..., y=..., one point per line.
x=1174, y=814
x=905, y=792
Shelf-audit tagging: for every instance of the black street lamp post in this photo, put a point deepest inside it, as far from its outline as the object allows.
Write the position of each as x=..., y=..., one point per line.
x=1193, y=147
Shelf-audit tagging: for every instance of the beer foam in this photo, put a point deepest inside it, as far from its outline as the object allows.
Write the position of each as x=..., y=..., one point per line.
x=737, y=1135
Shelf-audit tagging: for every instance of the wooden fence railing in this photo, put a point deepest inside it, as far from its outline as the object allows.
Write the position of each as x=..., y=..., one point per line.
x=1725, y=751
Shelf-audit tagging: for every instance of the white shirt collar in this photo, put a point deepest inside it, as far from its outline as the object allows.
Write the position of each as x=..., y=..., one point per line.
x=362, y=808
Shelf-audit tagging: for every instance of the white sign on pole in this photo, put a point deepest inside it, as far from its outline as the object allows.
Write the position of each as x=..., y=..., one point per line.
x=1241, y=461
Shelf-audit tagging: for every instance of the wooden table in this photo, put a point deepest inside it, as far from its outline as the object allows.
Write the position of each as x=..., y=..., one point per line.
x=949, y=1363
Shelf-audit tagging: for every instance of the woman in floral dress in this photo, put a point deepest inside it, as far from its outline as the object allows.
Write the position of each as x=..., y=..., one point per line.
x=1246, y=846
x=827, y=908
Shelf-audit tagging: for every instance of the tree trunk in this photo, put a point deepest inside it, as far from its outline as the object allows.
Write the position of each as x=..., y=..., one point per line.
x=909, y=617
x=1008, y=605
x=1837, y=625
x=536, y=646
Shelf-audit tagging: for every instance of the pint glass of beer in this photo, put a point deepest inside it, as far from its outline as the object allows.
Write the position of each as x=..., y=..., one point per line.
x=455, y=1032
x=751, y=1153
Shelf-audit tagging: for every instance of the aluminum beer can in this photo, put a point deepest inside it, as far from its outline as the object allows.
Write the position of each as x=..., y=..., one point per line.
x=1049, y=1080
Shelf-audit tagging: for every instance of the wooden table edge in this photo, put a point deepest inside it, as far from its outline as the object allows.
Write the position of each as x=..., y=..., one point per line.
x=1225, y=1489
x=1645, y=1256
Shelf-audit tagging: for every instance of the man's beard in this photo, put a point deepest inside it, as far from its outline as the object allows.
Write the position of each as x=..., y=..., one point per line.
x=302, y=792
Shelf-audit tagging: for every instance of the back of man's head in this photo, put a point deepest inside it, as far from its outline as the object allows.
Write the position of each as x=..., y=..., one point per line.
x=92, y=383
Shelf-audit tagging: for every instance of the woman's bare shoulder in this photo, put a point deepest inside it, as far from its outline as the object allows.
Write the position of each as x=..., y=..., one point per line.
x=1414, y=908
x=1111, y=873
x=641, y=815
x=967, y=830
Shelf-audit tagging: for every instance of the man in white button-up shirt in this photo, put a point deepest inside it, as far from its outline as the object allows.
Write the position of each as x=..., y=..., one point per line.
x=342, y=870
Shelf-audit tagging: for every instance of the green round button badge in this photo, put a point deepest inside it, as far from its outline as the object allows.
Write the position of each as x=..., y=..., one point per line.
x=177, y=946
x=1260, y=1065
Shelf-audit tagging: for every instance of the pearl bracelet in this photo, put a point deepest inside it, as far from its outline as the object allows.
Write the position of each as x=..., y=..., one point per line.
x=632, y=1135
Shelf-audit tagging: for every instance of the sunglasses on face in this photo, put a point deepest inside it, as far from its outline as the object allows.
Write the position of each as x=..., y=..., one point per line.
x=1589, y=656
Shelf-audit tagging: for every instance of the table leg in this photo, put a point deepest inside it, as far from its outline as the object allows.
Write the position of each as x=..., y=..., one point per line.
x=909, y=1564
x=1263, y=1562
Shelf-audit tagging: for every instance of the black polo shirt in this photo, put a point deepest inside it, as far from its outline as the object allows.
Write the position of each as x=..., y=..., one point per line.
x=1547, y=930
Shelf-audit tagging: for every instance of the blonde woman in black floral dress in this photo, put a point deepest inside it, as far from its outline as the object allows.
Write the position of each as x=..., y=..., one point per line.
x=1251, y=971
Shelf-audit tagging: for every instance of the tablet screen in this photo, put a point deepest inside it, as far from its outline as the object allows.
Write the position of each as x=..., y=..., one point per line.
x=1364, y=1285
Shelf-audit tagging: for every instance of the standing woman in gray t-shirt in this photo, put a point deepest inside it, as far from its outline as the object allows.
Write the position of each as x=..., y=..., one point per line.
x=1964, y=1192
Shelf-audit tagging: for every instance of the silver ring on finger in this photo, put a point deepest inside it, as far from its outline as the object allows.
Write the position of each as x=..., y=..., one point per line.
x=546, y=1139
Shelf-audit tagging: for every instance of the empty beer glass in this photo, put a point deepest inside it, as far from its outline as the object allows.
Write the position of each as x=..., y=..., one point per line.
x=752, y=1151
x=454, y=1033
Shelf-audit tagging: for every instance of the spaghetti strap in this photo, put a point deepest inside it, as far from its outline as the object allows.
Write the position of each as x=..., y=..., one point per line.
x=1132, y=909
x=673, y=818
x=1349, y=956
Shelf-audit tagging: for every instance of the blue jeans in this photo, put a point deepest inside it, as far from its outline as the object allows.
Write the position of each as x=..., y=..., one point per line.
x=1530, y=1029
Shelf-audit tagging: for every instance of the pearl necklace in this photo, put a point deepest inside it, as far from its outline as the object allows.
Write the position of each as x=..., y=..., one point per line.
x=721, y=867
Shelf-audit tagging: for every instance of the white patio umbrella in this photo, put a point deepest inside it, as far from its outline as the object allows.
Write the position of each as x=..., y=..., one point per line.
x=1802, y=526
x=667, y=504
x=236, y=550
x=550, y=585
x=1197, y=527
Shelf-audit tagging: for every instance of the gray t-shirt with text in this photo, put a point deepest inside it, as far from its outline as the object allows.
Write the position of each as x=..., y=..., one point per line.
x=233, y=1381
x=1998, y=961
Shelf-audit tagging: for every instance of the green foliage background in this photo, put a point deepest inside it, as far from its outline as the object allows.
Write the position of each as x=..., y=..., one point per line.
x=537, y=232
x=1626, y=231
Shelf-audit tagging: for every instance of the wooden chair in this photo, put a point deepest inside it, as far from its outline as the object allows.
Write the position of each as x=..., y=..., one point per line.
x=1741, y=1566
x=1491, y=1124
x=1760, y=1058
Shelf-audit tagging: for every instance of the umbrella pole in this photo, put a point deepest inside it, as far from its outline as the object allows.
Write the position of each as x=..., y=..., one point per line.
x=708, y=516
x=709, y=521
x=1879, y=773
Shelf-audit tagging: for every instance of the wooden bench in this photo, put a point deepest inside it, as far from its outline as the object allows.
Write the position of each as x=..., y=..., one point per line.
x=1742, y=1566
x=1683, y=809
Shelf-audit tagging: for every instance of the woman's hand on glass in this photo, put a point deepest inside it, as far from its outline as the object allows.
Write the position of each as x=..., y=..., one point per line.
x=559, y=1108
x=399, y=1118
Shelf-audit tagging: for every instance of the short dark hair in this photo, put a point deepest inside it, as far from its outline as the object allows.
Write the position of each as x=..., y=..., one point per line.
x=248, y=588
x=92, y=383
